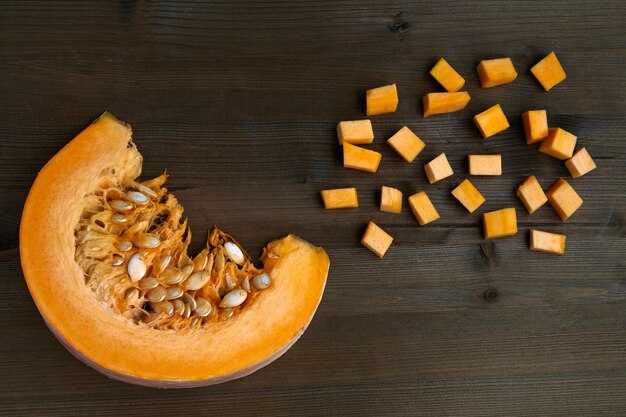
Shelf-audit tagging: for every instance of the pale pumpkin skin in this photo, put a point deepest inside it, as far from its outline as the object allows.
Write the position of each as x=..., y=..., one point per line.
x=112, y=344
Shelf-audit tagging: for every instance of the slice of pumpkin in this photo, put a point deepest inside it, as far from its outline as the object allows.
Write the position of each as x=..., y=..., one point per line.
x=105, y=259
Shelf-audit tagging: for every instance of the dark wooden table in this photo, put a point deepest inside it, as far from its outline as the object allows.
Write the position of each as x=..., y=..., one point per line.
x=239, y=101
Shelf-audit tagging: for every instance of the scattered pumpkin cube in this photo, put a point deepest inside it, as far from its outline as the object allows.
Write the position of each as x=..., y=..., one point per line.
x=447, y=76
x=559, y=144
x=423, y=208
x=547, y=242
x=382, y=100
x=491, y=121
x=438, y=169
x=492, y=72
x=359, y=158
x=531, y=194
x=376, y=239
x=535, y=125
x=407, y=144
x=580, y=164
x=485, y=164
x=500, y=223
x=440, y=103
x=355, y=131
x=390, y=200
x=549, y=71
x=340, y=198
x=564, y=199
x=468, y=195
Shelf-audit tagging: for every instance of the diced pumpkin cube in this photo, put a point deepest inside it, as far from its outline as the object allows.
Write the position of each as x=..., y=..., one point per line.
x=549, y=71
x=440, y=103
x=500, y=223
x=423, y=208
x=359, y=158
x=485, y=164
x=580, y=164
x=492, y=72
x=376, y=239
x=535, y=125
x=559, y=144
x=355, y=132
x=491, y=121
x=340, y=198
x=390, y=200
x=382, y=100
x=547, y=242
x=468, y=195
x=438, y=169
x=531, y=194
x=564, y=199
x=447, y=76
x=407, y=144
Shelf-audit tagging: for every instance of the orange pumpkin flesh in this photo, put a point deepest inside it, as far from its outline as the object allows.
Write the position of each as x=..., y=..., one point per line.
x=61, y=262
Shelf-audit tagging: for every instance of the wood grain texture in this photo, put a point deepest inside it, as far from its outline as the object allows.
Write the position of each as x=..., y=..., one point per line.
x=239, y=101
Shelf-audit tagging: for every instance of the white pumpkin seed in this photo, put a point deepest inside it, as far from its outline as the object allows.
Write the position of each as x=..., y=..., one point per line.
x=261, y=281
x=203, y=307
x=179, y=306
x=119, y=218
x=117, y=260
x=146, y=190
x=187, y=310
x=246, y=285
x=234, y=298
x=156, y=295
x=172, y=276
x=137, y=197
x=173, y=293
x=124, y=245
x=234, y=253
x=200, y=263
x=187, y=270
x=163, y=307
x=189, y=300
x=120, y=205
x=148, y=283
x=196, y=281
x=136, y=267
x=146, y=241
x=164, y=262
x=230, y=284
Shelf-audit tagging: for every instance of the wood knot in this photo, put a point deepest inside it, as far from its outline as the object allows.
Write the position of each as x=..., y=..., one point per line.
x=398, y=25
x=491, y=294
x=487, y=249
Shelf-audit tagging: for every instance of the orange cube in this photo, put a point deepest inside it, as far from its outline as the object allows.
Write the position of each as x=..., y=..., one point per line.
x=559, y=144
x=492, y=72
x=564, y=199
x=440, y=103
x=376, y=239
x=531, y=194
x=549, y=71
x=580, y=164
x=390, y=200
x=438, y=169
x=468, y=195
x=500, y=223
x=547, y=242
x=382, y=100
x=422, y=208
x=359, y=158
x=355, y=132
x=491, y=121
x=340, y=198
x=447, y=76
x=535, y=125
x=485, y=164
x=407, y=144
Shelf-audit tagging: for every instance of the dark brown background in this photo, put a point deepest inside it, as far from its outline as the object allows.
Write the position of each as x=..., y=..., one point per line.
x=239, y=101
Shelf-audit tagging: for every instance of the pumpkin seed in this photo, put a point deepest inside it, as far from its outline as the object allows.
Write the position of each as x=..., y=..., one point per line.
x=179, y=306
x=200, y=263
x=163, y=307
x=156, y=295
x=261, y=281
x=173, y=293
x=137, y=197
x=186, y=271
x=136, y=267
x=124, y=245
x=148, y=283
x=194, y=322
x=118, y=218
x=246, y=285
x=164, y=262
x=146, y=190
x=196, y=281
x=131, y=293
x=230, y=284
x=234, y=253
x=228, y=312
x=203, y=307
x=189, y=300
x=187, y=312
x=146, y=241
x=173, y=276
x=234, y=298
x=117, y=260
x=120, y=205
